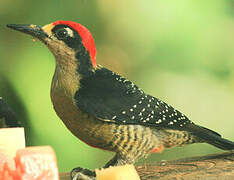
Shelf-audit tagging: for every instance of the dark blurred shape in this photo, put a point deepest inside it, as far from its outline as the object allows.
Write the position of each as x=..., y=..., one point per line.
x=7, y=116
x=12, y=110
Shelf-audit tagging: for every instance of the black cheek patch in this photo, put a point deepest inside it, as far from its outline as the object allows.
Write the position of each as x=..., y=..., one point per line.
x=84, y=62
x=73, y=43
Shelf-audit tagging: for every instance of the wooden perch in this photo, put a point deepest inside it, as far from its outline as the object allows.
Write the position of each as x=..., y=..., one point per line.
x=212, y=167
x=216, y=166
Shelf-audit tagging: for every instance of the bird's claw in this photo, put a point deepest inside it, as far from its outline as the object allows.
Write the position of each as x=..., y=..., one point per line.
x=82, y=174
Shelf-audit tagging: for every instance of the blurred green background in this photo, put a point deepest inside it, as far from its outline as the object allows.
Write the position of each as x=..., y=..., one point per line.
x=180, y=51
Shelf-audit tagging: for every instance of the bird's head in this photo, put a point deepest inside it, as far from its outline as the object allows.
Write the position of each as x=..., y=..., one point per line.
x=69, y=41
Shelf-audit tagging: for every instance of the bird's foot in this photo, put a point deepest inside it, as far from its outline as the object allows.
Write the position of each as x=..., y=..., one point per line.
x=82, y=174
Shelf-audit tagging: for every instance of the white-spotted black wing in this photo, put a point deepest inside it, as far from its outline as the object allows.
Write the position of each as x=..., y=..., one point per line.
x=110, y=97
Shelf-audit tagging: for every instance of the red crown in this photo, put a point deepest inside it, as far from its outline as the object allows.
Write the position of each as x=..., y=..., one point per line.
x=86, y=37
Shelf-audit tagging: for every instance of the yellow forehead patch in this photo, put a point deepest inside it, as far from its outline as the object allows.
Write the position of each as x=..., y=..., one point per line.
x=48, y=29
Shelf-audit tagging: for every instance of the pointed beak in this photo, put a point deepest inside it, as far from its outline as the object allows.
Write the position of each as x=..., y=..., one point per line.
x=33, y=30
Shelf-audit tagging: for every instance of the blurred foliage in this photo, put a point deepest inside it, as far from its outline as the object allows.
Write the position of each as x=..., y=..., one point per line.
x=180, y=51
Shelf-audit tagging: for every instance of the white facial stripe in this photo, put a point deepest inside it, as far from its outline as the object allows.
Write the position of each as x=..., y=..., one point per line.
x=69, y=31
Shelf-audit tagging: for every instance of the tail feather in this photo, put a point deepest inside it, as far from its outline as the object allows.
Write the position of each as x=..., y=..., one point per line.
x=211, y=137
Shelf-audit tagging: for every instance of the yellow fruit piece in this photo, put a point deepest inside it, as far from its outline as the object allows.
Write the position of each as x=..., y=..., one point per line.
x=11, y=139
x=126, y=172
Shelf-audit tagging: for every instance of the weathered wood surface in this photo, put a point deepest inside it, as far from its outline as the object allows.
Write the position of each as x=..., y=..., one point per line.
x=210, y=167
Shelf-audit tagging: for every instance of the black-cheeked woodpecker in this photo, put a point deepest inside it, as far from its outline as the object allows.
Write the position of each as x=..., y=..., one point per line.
x=104, y=109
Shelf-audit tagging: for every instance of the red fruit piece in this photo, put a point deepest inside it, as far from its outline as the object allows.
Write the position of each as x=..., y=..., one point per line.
x=37, y=163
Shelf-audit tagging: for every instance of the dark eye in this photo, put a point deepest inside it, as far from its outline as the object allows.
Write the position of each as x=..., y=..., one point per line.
x=61, y=33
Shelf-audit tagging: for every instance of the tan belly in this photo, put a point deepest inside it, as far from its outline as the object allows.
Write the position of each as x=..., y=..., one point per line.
x=88, y=129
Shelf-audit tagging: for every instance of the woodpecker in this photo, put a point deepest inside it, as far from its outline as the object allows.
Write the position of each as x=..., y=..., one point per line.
x=104, y=109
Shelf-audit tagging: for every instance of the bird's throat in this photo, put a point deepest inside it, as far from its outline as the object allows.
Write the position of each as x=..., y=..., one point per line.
x=65, y=81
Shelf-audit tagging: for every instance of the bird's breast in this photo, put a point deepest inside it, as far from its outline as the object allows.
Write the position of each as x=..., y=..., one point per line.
x=64, y=104
x=64, y=85
x=81, y=124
